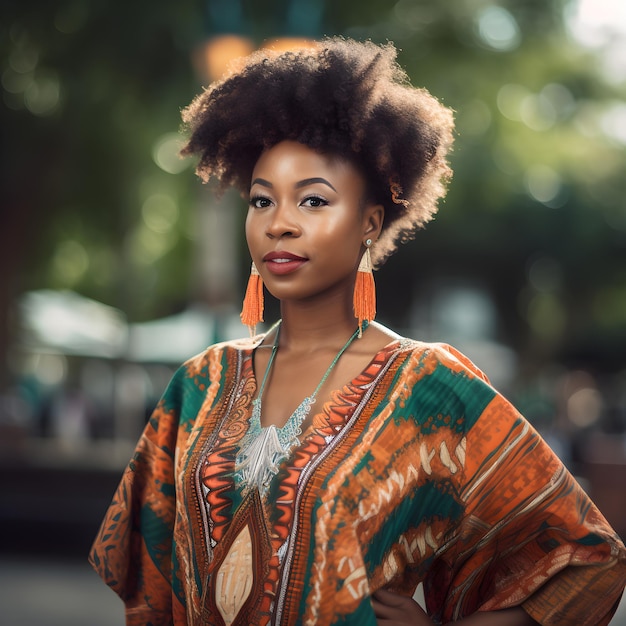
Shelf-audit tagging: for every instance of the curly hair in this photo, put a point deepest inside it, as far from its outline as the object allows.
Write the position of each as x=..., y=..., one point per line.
x=339, y=97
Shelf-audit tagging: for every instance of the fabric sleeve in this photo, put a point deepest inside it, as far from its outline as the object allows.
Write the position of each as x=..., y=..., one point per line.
x=529, y=535
x=132, y=552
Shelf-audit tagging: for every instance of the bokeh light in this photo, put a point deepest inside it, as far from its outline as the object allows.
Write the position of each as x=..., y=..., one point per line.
x=69, y=263
x=166, y=153
x=214, y=57
x=543, y=183
x=498, y=29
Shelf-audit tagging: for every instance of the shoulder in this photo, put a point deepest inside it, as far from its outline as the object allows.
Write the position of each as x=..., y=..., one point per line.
x=437, y=355
x=436, y=379
x=423, y=354
x=208, y=369
x=229, y=349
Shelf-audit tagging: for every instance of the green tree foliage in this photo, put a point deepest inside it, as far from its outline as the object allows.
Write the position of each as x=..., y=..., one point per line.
x=535, y=211
x=92, y=200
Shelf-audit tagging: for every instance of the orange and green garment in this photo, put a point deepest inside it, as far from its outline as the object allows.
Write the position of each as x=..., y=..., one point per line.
x=415, y=471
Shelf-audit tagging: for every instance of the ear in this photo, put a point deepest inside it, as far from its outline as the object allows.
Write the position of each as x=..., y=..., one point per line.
x=373, y=218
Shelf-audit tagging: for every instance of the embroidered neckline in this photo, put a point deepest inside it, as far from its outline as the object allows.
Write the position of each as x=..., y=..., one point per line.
x=263, y=449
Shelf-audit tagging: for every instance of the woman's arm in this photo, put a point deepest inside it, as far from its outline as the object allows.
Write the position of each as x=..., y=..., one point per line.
x=393, y=609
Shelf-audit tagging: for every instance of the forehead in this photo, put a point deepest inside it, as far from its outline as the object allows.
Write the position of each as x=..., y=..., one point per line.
x=291, y=161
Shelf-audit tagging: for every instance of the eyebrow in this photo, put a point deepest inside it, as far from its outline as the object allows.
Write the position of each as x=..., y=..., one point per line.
x=298, y=185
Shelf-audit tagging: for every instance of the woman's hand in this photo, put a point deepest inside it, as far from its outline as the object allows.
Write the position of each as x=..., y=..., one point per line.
x=393, y=609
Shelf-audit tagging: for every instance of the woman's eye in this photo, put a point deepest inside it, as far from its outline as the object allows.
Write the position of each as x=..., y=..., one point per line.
x=314, y=201
x=260, y=202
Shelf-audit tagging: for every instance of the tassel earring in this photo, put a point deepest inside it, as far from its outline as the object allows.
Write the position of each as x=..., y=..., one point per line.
x=365, y=290
x=252, y=312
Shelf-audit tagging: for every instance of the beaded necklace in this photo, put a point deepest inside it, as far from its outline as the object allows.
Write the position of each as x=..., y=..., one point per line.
x=263, y=449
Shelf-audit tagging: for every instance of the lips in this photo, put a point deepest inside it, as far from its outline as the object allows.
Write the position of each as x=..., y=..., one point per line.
x=282, y=262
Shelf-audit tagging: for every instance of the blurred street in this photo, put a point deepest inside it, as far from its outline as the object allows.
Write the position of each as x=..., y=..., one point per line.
x=53, y=593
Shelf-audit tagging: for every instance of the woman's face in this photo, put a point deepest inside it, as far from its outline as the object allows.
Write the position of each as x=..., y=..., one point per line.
x=307, y=221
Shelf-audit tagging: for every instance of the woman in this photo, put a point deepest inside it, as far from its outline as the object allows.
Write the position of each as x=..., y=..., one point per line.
x=317, y=473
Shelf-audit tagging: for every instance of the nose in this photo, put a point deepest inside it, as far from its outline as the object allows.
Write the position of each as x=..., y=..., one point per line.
x=282, y=222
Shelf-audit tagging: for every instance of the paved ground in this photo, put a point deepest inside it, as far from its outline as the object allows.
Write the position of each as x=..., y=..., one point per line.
x=50, y=593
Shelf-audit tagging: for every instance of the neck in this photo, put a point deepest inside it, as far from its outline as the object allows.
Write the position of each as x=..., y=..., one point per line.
x=307, y=326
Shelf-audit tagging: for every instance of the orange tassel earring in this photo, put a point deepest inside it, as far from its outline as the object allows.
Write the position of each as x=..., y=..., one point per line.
x=252, y=312
x=365, y=290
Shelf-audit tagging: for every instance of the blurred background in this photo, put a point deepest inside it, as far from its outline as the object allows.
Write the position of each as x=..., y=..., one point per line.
x=116, y=264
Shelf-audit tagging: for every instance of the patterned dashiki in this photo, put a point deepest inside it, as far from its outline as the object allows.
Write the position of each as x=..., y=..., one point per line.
x=415, y=471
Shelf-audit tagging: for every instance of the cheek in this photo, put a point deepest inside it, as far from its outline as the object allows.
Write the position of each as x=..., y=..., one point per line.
x=342, y=231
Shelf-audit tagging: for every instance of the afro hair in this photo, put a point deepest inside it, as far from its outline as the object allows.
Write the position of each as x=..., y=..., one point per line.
x=339, y=97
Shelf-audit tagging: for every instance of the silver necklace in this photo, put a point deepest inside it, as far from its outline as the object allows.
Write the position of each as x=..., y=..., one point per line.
x=263, y=449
